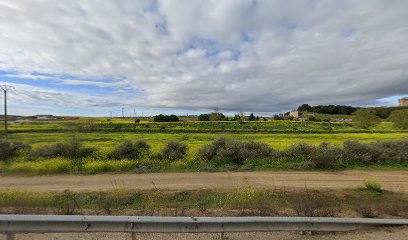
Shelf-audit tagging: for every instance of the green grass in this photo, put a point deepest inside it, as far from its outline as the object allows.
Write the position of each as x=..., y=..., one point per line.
x=51, y=166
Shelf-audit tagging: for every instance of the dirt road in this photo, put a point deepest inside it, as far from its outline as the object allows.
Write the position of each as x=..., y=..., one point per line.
x=390, y=180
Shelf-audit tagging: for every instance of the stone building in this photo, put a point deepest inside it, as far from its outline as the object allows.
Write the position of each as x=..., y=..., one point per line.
x=403, y=102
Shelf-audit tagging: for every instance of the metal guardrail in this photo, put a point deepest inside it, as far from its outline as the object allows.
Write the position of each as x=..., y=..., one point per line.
x=14, y=224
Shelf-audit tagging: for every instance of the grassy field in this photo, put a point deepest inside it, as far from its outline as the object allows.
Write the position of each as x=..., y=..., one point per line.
x=106, y=134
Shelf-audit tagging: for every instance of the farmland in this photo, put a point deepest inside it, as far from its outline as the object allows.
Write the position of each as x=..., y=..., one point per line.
x=105, y=134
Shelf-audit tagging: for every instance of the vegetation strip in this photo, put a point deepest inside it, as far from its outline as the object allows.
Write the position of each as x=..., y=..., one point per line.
x=222, y=154
x=363, y=202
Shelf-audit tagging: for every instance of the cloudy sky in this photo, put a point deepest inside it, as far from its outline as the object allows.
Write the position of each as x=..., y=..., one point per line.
x=89, y=57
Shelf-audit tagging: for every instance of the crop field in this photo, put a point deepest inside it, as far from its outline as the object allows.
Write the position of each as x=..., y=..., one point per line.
x=106, y=135
x=278, y=134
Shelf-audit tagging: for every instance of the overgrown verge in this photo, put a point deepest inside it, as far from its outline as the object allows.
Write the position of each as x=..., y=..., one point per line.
x=72, y=156
x=240, y=202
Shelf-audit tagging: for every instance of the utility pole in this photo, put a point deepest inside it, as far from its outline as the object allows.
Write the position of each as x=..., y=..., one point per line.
x=5, y=89
x=111, y=114
x=123, y=112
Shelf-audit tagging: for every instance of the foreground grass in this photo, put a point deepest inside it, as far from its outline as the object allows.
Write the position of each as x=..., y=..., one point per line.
x=241, y=202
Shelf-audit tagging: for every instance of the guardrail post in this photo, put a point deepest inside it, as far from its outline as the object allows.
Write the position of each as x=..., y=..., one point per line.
x=134, y=236
x=222, y=236
x=10, y=236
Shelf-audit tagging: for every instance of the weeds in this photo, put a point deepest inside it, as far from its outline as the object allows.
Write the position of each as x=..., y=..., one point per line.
x=241, y=202
x=373, y=186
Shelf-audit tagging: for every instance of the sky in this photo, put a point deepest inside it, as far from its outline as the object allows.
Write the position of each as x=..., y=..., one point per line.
x=91, y=57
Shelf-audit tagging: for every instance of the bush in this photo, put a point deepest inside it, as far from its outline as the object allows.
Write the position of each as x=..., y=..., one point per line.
x=390, y=151
x=399, y=118
x=130, y=150
x=356, y=151
x=237, y=152
x=174, y=150
x=373, y=186
x=366, y=118
x=325, y=157
x=72, y=149
x=11, y=149
x=299, y=150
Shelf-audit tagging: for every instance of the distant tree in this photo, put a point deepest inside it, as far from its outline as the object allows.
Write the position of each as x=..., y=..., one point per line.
x=304, y=108
x=137, y=120
x=216, y=116
x=277, y=117
x=251, y=117
x=239, y=117
x=366, y=118
x=165, y=118
x=332, y=109
x=204, y=117
x=399, y=118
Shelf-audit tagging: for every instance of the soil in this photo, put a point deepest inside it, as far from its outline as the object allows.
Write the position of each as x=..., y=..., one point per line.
x=390, y=180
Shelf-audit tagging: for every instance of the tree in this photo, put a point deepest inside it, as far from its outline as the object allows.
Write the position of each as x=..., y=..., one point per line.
x=165, y=118
x=304, y=108
x=399, y=118
x=216, y=116
x=366, y=118
x=204, y=117
x=251, y=117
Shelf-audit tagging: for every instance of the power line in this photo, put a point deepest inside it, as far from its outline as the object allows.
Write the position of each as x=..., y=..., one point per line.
x=5, y=88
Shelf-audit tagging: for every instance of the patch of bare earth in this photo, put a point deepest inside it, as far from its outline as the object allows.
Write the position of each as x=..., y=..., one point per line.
x=390, y=180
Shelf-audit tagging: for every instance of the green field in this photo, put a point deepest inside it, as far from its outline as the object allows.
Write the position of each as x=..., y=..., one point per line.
x=278, y=134
x=105, y=135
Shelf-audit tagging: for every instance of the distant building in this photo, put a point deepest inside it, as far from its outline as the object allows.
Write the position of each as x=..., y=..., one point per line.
x=403, y=102
x=294, y=114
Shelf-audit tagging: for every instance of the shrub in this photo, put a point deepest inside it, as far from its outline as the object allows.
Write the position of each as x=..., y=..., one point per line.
x=325, y=157
x=72, y=149
x=366, y=118
x=174, y=150
x=373, y=186
x=237, y=152
x=390, y=151
x=356, y=151
x=399, y=118
x=11, y=149
x=300, y=150
x=130, y=150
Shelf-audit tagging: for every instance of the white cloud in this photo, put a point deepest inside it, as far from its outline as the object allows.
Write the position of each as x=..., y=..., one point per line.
x=235, y=54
